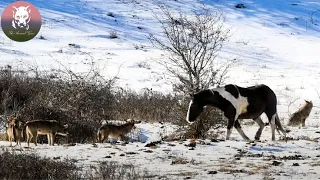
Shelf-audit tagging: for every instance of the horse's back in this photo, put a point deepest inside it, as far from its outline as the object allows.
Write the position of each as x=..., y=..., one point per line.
x=261, y=90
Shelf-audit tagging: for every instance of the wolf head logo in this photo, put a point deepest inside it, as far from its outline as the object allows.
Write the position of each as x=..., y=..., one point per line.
x=21, y=17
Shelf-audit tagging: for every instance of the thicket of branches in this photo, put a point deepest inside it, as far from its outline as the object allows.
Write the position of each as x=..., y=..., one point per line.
x=191, y=44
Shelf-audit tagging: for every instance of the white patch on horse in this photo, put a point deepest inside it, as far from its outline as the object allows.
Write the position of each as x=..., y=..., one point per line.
x=189, y=112
x=240, y=103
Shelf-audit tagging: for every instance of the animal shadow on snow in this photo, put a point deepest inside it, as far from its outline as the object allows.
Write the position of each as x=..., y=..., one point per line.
x=268, y=149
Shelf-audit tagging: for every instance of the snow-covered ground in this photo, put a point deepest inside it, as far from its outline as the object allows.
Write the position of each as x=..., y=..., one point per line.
x=276, y=41
x=208, y=160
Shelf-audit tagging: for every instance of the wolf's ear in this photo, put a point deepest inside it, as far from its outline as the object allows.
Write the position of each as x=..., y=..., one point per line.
x=65, y=126
x=308, y=101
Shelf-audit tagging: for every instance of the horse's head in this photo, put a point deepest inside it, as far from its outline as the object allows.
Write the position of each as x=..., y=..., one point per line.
x=197, y=103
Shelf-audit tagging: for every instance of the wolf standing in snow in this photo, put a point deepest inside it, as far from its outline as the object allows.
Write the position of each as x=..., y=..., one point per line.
x=115, y=131
x=44, y=127
x=300, y=116
x=14, y=131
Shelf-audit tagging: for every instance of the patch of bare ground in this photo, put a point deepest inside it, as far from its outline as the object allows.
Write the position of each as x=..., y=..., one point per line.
x=243, y=153
x=268, y=178
x=258, y=167
x=306, y=138
x=232, y=166
x=290, y=157
x=229, y=170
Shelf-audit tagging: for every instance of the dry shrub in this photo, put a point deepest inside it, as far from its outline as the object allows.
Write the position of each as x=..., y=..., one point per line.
x=112, y=170
x=82, y=131
x=209, y=118
x=149, y=105
x=3, y=137
x=31, y=166
x=113, y=35
x=179, y=160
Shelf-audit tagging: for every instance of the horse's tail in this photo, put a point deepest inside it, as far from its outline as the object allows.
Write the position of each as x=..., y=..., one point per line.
x=279, y=126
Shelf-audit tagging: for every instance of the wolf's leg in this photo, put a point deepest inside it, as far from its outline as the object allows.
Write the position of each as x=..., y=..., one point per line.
x=52, y=139
x=259, y=121
x=28, y=139
x=35, y=138
x=240, y=131
x=18, y=140
x=49, y=139
x=10, y=140
x=304, y=122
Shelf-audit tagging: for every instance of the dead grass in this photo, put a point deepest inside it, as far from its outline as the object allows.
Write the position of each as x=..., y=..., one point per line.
x=232, y=170
x=257, y=167
x=268, y=178
x=112, y=170
x=315, y=164
x=179, y=160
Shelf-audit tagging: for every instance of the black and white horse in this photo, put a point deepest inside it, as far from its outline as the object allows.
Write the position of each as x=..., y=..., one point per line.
x=239, y=103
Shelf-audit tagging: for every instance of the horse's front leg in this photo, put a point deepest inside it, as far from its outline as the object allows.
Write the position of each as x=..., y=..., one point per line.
x=240, y=131
x=229, y=127
x=231, y=115
x=259, y=121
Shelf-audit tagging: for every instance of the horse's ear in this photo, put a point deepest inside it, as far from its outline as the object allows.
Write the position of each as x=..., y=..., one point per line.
x=308, y=101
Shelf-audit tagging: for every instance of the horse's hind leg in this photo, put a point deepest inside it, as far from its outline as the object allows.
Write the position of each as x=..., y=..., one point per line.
x=240, y=131
x=261, y=126
x=272, y=120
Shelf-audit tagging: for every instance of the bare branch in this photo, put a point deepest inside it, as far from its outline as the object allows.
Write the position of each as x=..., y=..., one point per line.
x=192, y=44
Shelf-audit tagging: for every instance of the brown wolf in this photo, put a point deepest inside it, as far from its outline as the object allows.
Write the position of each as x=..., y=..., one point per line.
x=300, y=116
x=115, y=131
x=44, y=127
x=14, y=130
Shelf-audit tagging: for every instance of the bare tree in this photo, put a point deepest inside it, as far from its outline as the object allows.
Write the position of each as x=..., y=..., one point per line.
x=192, y=43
